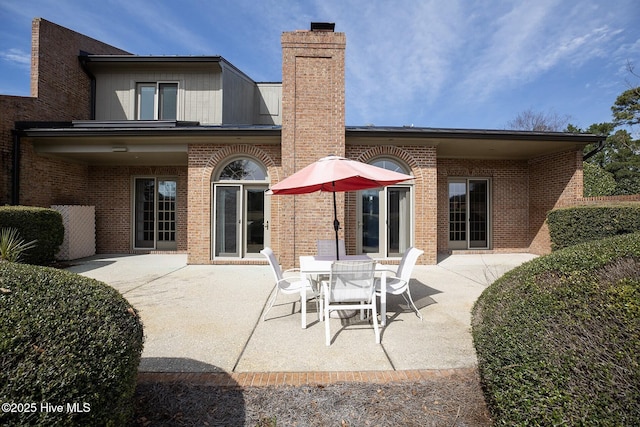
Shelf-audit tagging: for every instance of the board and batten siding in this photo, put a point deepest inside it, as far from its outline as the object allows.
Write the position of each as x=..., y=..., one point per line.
x=199, y=95
x=269, y=100
x=238, y=97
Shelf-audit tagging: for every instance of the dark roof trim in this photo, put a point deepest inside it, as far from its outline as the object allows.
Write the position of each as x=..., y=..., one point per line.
x=139, y=128
x=153, y=127
x=87, y=59
x=420, y=132
x=102, y=124
x=20, y=126
x=132, y=124
x=128, y=59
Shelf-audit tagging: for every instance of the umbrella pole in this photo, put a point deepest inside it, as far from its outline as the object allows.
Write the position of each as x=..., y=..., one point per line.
x=336, y=223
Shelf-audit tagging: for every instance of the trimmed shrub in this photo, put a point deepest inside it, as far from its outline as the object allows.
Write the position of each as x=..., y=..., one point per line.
x=597, y=181
x=571, y=226
x=558, y=338
x=65, y=340
x=40, y=224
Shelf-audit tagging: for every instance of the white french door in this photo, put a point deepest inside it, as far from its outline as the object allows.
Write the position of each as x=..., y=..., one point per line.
x=155, y=213
x=241, y=220
x=469, y=218
x=384, y=221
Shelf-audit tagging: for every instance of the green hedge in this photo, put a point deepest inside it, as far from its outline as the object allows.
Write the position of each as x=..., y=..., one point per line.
x=65, y=340
x=40, y=224
x=570, y=226
x=558, y=339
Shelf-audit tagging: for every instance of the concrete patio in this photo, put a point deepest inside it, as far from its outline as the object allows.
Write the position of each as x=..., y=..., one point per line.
x=208, y=318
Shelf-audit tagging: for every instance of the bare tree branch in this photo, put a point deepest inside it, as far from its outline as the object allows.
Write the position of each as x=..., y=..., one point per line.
x=539, y=122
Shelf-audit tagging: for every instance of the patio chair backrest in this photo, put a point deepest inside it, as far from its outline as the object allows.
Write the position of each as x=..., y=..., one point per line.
x=407, y=263
x=351, y=281
x=328, y=247
x=273, y=262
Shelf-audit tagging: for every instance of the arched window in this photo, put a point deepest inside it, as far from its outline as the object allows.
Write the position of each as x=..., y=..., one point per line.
x=243, y=170
x=385, y=215
x=241, y=216
x=389, y=164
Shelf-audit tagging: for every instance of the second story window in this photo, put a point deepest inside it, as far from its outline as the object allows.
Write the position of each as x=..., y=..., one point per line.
x=157, y=101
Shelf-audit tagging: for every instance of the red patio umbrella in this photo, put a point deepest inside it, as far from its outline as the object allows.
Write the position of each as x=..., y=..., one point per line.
x=334, y=174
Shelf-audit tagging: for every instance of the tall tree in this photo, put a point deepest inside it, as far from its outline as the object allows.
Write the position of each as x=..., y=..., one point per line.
x=620, y=157
x=626, y=109
x=623, y=161
x=597, y=181
x=602, y=157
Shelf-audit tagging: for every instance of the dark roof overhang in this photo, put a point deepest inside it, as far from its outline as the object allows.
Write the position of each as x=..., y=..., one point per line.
x=159, y=143
x=155, y=62
x=473, y=143
x=153, y=59
x=104, y=142
x=139, y=128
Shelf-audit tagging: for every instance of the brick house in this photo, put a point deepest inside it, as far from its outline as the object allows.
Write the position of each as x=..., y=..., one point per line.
x=176, y=154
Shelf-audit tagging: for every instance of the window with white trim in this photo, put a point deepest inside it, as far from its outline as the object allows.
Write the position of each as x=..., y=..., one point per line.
x=157, y=101
x=385, y=216
x=154, y=213
x=240, y=228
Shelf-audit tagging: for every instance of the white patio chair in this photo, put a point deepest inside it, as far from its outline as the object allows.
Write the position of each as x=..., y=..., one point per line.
x=351, y=286
x=289, y=285
x=398, y=284
x=328, y=247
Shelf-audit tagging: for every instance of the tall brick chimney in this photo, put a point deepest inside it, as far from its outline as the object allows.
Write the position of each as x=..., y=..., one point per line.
x=313, y=126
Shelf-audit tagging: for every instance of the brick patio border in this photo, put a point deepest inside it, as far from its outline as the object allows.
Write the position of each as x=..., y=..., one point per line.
x=263, y=379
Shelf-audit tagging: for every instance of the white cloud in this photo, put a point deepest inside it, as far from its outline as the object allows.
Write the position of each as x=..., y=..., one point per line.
x=397, y=54
x=158, y=24
x=511, y=47
x=408, y=61
x=406, y=58
x=524, y=43
x=17, y=57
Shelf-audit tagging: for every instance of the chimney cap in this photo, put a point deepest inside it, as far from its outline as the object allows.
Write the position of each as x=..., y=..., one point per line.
x=323, y=26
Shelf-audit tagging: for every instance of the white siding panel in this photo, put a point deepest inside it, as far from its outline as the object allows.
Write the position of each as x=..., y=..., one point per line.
x=203, y=98
x=110, y=100
x=269, y=101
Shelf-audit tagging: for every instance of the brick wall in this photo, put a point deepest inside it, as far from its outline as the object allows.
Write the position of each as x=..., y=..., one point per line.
x=522, y=192
x=204, y=161
x=111, y=192
x=422, y=163
x=12, y=109
x=605, y=200
x=50, y=181
x=555, y=181
x=313, y=126
x=509, y=183
x=60, y=91
x=57, y=79
x=111, y=195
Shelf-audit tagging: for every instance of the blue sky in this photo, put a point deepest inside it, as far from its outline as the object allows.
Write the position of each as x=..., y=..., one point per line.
x=446, y=63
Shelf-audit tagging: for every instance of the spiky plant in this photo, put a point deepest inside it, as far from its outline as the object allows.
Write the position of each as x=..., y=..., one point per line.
x=12, y=246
